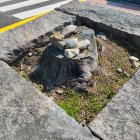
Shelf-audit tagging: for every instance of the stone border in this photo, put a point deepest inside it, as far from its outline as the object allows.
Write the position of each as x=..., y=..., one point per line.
x=17, y=41
x=120, y=119
x=112, y=21
x=28, y=114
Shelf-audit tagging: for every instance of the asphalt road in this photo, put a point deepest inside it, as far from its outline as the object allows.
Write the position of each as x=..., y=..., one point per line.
x=12, y=11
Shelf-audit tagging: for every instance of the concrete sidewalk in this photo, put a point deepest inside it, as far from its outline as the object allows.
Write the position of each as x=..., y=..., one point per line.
x=124, y=7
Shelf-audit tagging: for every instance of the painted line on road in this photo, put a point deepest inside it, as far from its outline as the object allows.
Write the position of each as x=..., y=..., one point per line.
x=12, y=26
x=4, y=1
x=33, y=12
x=82, y=0
x=20, y=5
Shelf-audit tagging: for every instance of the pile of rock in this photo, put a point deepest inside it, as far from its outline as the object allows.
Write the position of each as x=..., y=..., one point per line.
x=71, y=55
x=70, y=46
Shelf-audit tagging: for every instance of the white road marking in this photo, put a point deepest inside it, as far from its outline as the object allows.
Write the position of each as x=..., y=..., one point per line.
x=34, y=12
x=20, y=5
x=1, y=1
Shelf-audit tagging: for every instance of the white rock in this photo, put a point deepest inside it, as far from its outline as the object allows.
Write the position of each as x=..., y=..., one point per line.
x=119, y=70
x=70, y=53
x=126, y=74
x=68, y=30
x=72, y=43
x=136, y=64
x=59, y=90
x=83, y=44
x=30, y=54
x=133, y=58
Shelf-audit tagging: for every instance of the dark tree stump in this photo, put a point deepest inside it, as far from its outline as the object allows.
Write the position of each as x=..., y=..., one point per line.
x=54, y=69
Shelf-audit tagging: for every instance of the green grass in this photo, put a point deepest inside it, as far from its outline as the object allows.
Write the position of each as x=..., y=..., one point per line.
x=81, y=106
x=84, y=107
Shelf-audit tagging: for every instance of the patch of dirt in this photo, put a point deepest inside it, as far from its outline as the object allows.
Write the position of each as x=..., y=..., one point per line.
x=113, y=54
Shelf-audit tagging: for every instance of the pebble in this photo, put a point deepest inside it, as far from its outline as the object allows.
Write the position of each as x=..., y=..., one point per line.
x=88, y=34
x=136, y=64
x=30, y=54
x=59, y=91
x=126, y=74
x=119, y=70
x=57, y=36
x=70, y=53
x=133, y=58
x=83, y=44
x=68, y=30
x=72, y=43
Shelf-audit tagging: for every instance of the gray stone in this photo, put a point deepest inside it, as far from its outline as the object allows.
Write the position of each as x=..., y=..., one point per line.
x=15, y=42
x=120, y=119
x=72, y=43
x=27, y=114
x=88, y=34
x=68, y=30
x=83, y=44
x=106, y=19
x=89, y=58
x=70, y=53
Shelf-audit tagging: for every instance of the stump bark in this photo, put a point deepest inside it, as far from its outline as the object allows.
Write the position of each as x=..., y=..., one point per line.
x=54, y=69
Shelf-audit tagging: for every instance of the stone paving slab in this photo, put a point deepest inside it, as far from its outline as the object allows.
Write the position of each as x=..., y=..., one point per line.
x=16, y=41
x=118, y=23
x=120, y=120
x=27, y=114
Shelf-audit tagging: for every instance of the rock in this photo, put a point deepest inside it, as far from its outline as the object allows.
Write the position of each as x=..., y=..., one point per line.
x=83, y=44
x=103, y=49
x=120, y=119
x=61, y=45
x=119, y=70
x=126, y=74
x=70, y=53
x=59, y=91
x=68, y=30
x=136, y=64
x=14, y=43
x=106, y=19
x=57, y=36
x=133, y=58
x=102, y=35
x=30, y=54
x=72, y=43
x=28, y=114
x=88, y=34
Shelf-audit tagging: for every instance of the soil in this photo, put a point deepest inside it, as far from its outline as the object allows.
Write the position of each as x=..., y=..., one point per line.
x=113, y=54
